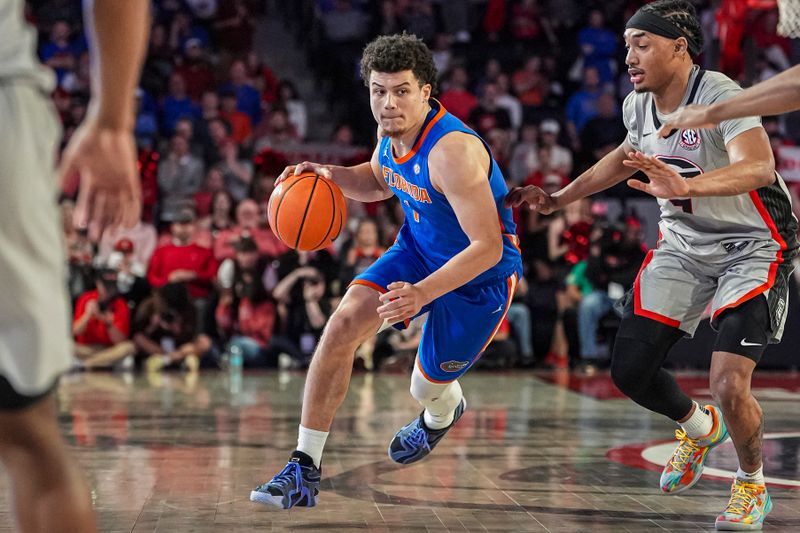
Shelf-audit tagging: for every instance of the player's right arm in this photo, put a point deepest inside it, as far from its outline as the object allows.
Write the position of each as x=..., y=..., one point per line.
x=362, y=182
x=780, y=94
x=102, y=151
x=604, y=174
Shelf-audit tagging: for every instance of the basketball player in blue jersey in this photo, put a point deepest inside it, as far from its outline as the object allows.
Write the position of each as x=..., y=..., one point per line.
x=455, y=258
x=727, y=240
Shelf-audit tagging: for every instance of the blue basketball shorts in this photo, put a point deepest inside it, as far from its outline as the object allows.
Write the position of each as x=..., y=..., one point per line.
x=460, y=323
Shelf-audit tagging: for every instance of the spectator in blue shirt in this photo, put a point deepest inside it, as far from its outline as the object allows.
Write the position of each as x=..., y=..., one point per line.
x=599, y=46
x=248, y=99
x=61, y=53
x=177, y=105
x=582, y=105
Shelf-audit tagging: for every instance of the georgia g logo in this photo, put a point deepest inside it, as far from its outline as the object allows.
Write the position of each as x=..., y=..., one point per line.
x=690, y=140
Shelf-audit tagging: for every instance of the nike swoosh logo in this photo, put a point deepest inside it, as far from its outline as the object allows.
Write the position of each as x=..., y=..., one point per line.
x=745, y=343
x=646, y=134
x=497, y=310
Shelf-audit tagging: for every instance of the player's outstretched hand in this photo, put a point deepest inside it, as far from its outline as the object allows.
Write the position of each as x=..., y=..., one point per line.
x=305, y=166
x=536, y=198
x=102, y=162
x=665, y=182
x=402, y=301
x=690, y=116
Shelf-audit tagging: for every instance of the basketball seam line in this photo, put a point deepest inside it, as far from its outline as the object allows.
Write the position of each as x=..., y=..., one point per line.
x=333, y=215
x=278, y=207
x=308, y=206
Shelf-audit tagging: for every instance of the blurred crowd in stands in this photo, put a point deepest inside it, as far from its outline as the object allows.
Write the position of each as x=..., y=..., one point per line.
x=202, y=280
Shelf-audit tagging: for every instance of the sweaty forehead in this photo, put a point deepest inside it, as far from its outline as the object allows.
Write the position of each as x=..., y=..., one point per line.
x=634, y=33
x=391, y=79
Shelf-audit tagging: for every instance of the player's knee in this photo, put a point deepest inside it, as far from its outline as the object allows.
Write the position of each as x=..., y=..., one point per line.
x=729, y=389
x=626, y=376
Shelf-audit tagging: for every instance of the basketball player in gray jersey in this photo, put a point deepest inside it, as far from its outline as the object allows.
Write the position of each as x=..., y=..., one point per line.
x=49, y=492
x=727, y=239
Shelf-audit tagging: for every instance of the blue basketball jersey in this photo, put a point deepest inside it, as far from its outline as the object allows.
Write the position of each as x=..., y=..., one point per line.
x=431, y=228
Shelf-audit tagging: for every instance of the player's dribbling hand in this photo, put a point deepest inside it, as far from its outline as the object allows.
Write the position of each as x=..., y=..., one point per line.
x=665, y=182
x=402, y=301
x=536, y=198
x=305, y=166
x=690, y=116
x=102, y=162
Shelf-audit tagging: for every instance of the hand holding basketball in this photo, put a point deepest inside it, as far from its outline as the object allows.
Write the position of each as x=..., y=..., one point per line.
x=305, y=166
x=306, y=211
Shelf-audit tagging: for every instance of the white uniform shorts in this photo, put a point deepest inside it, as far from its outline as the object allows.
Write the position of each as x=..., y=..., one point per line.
x=35, y=340
x=677, y=289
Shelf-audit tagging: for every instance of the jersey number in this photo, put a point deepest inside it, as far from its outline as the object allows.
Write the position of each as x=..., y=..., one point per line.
x=686, y=169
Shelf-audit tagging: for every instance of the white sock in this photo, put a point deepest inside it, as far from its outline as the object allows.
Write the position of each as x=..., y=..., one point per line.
x=311, y=442
x=440, y=410
x=438, y=421
x=699, y=424
x=756, y=477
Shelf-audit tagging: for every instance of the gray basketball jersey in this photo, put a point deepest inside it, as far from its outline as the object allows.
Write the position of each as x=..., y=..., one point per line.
x=708, y=227
x=18, y=61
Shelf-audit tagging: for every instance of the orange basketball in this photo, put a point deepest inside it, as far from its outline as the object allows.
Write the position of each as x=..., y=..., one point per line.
x=307, y=211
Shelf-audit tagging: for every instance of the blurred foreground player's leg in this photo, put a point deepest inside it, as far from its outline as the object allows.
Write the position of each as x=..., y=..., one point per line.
x=49, y=492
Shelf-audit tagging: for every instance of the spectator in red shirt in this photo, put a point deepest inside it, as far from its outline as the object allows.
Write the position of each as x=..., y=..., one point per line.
x=101, y=325
x=195, y=69
x=241, y=125
x=246, y=313
x=183, y=260
x=203, y=199
x=250, y=220
x=456, y=98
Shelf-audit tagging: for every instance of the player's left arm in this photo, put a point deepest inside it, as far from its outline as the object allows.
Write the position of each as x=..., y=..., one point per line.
x=752, y=166
x=459, y=168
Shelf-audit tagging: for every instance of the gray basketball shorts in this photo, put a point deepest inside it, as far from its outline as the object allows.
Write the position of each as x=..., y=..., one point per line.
x=679, y=290
x=35, y=343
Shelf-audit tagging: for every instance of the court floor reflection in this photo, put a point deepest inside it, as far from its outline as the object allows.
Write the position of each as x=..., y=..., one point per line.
x=532, y=453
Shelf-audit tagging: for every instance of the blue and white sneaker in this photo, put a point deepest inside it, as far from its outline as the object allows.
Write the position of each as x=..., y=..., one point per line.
x=297, y=485
x=415, y=441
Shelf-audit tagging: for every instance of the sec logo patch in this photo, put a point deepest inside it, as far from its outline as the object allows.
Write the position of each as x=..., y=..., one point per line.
x=690, y=140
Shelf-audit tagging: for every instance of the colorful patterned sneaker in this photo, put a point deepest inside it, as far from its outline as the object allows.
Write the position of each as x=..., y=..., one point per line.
x=296, y=485
x=415, y=441
x=686, y=464
x=748, y=507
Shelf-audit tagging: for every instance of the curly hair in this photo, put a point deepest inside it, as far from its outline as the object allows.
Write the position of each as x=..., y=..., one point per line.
x=681, y=13
x=395, y=53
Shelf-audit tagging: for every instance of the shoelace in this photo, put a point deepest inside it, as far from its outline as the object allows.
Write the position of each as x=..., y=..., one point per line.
x=417, y=438
x=290, y=472
x=686, y=448
x=742, y=493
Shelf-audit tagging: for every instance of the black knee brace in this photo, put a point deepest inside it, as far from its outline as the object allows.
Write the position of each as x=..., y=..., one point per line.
x=639, y=352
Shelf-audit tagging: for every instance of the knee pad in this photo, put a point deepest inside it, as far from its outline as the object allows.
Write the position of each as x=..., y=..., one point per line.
x=640, y=348
x=438, y=398
x=745, y=329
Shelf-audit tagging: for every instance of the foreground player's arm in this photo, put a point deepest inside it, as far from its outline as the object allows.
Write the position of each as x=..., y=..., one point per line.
x=752, y=166
x=604, y=174
x=459, y=165
x=102, y=152
x=780, y=94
